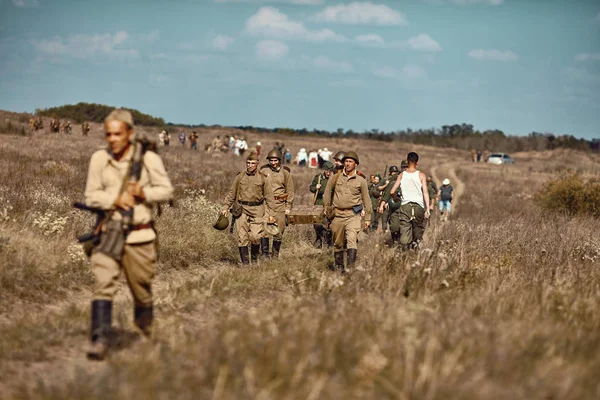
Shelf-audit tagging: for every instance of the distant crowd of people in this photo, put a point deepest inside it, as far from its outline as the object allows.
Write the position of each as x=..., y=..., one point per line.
x=476, y=155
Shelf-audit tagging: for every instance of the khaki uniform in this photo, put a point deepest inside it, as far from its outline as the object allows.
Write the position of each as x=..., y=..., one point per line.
x=105, y=178
x=249, y=190
x=349, y=191
x=279, y=195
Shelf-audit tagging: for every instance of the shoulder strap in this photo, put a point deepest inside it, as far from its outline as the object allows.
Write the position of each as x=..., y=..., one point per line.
x=335, y=181
x=287, y=168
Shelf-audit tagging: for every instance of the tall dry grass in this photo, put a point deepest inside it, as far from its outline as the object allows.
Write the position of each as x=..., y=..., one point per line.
x=501, y=302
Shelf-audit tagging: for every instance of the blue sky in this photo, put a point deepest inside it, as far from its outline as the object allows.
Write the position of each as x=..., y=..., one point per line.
x=515, y=65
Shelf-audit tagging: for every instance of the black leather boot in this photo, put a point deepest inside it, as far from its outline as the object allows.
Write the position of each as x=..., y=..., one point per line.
x=101, y=325
x=395, y=237
x=276, y=247
x=254, y=250
x=339, y=260
x=351, y=255
x=328, y=237
x=143, y=317
x=244, y=255
x=319, y=232
x=264, y=246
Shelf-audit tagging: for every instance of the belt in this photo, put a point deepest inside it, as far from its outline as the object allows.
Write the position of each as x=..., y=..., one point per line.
x=142, y=226
x=251, y=203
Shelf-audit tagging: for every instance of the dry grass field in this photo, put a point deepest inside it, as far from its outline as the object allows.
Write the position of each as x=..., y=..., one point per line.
x=502, y=301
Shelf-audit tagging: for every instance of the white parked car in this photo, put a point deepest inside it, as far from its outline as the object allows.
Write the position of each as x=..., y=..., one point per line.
x=500, y=158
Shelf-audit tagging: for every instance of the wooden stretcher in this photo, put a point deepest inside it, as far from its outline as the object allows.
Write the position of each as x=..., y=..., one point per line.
x=305, y=214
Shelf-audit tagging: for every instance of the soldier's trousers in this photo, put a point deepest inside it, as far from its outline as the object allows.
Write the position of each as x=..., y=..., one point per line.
x=384, y=219
x=375, y=216
x=249, y=230
x=280, y=217
x=411, y=220
x=139, y=265
x=346, y=227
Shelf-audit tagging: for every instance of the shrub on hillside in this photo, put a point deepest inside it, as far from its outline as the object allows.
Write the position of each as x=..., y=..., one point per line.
x=572, y=195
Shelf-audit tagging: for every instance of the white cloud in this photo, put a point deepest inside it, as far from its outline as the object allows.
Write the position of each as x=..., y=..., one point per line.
x=370, y=39
x=149, y=37
x=466, y=2
x=493, y=54
x=26, y=3
x=271, y=49
x=159, y=79
x=587, y=57
x=86, y=46
x=408, y=72
x=423, y=42
x=302, y=2
x=269, y=21
x=221, y=42
x=361, y=14
x=158, y=56
x=332, y=65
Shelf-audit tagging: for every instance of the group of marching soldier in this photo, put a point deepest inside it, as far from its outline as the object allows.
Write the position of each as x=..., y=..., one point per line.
x=125, y=182
x=261, y=197
x=36, y=123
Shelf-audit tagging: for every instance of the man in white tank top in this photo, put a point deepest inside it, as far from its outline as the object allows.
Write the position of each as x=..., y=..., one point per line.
x=414, y=208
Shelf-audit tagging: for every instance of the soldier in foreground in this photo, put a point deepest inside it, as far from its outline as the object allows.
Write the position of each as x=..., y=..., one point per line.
x=128, y=238
x=346, y=202
x=279, y=195
x=246, y=199
x=318, y=185
x=414, y=205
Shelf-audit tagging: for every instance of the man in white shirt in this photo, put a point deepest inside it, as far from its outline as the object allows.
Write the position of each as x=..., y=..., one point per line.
x=414, y=208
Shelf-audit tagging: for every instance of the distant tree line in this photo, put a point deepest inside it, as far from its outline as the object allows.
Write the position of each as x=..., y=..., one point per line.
x=460, y=136
x=91, y=112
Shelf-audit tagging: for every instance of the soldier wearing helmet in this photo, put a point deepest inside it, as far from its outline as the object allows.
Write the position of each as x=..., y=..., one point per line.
x=246, y=199
x=318, y=185
x=279, y=189
x=346, y=202
x=385, y=187
x=337, y=160
x=432, y=188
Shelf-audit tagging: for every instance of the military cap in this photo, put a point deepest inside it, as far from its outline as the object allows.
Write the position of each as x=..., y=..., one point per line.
x=328, y=166
x=122, y=115
x=404, y=164
x=274, y=154
x=252, y=156
x=352, y=155
x=393, y=168
x=339, y=155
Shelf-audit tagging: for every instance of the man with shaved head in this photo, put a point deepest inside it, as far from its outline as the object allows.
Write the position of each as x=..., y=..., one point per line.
x=128, y=239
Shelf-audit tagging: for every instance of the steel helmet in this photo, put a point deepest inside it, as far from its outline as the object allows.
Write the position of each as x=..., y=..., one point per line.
x=222, y=223
x=404, y=164
x=328, y=166
x=352, y=155
x=271, y=227
x=274, y=154
x=393, y=168
x=446, y=181
x=339, y=155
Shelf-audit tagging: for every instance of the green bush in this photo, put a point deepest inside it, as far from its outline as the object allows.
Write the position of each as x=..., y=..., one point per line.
x=572, y=195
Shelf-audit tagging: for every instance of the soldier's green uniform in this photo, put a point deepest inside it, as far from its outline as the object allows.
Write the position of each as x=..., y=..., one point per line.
x=432, y=188
x=385, y=188
x=321, y=180
x=85, y=128
x=391, y=212
x=375, y=195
